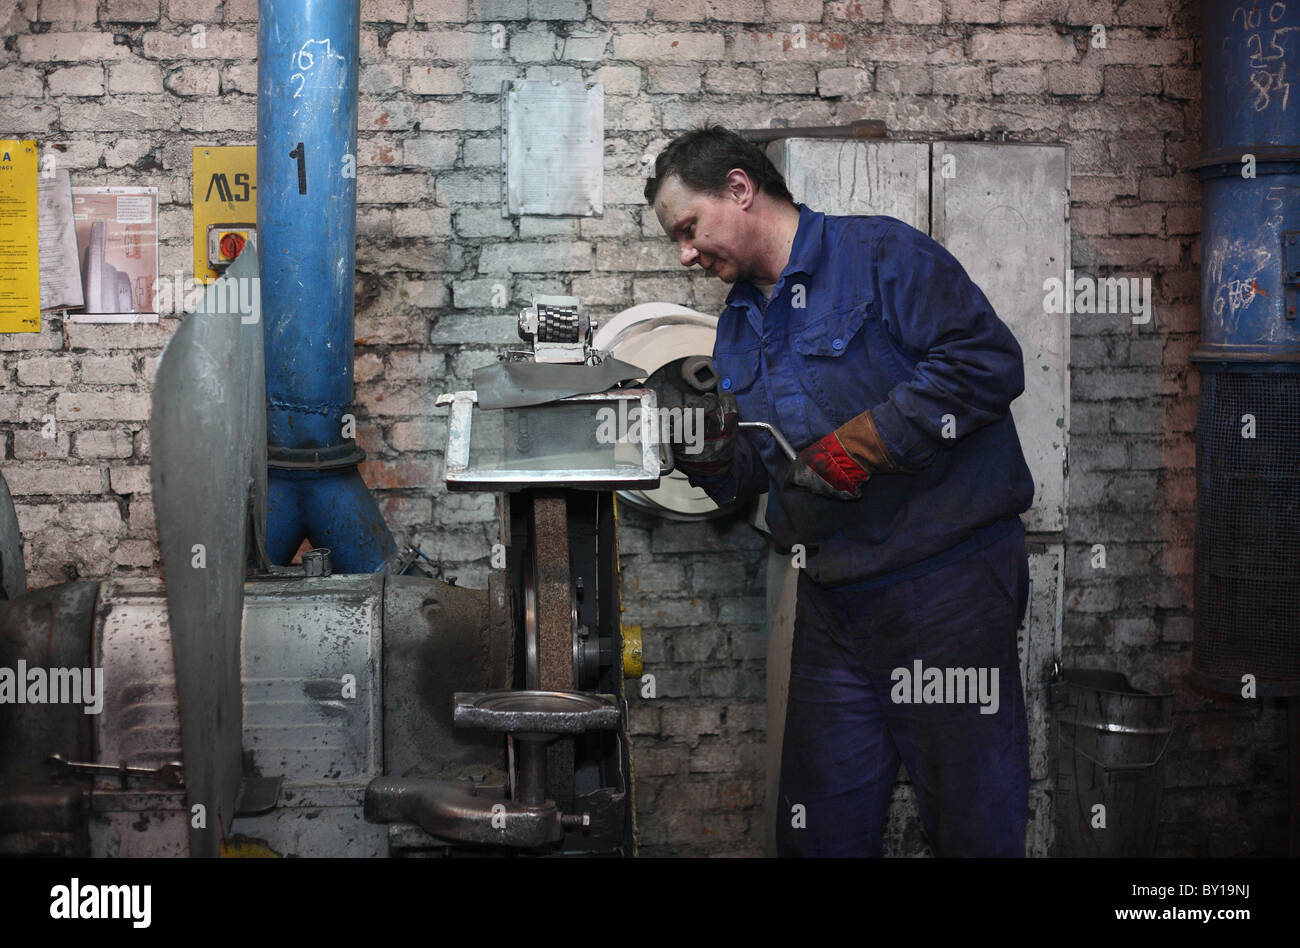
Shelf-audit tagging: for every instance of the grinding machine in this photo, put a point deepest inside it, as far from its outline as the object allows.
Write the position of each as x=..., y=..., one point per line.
x=346, y=704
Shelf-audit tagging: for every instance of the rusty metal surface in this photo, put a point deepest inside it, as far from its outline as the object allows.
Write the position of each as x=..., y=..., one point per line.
x=47, y=628
x=313, y=677
x=208, y=437
x=13, y=572
x=440, y=639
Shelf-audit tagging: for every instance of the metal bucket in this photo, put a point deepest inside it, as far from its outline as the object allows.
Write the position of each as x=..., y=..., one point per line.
x=1110, y=739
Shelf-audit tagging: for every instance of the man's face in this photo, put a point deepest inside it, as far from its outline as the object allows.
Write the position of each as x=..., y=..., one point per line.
x=710, y=232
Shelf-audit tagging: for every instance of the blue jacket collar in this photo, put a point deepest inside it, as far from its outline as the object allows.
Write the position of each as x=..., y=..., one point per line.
x=805, y=254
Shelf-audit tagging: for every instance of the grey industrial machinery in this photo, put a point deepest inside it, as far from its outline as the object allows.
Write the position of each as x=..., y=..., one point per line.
x=244, y=707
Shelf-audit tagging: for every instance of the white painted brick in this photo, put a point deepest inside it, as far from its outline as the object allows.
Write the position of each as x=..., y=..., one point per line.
x=440, y=11
x=431, y=151
x=239, y=77
x=120, y=114
x=481, y=153
x=83, y=12
x=193, y=11
x=483, y=222
x=76, y=81
x=584, y=46
x=126, y=151
x=99, y=517
x=130, y=480
x=37, y=478
x=557, y=9
x=130, y=11
x=421, y=222
x=618, y=80
x=108, y=370
x=554, y=257
x=32, y=445
x=843, y=81
x=21, y=81
x=109, y=443
x=485, y=78
x=109, y=406
x=916, y=11
x=193, y=81
x=670, y=47
x=441, y=45
x=462, y=115
x=674, y=79
x=201, y=43
x=54, y=371
x=392, y=188
x=135, y=553
x=434, y=80
x=385, y=114
x=70, y=48
x=134, y=76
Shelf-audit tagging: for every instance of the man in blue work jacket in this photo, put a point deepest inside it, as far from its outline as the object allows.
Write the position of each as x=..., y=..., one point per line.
x=868, y=346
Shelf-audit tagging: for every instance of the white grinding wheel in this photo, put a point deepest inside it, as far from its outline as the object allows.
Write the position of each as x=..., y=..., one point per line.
x=651, y=335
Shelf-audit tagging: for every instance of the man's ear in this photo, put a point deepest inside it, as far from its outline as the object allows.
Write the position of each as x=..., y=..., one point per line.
x=740, y=188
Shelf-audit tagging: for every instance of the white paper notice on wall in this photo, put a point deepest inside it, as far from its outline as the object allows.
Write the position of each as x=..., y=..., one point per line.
x=60, y=264
x=552, y=148
x=117, y=240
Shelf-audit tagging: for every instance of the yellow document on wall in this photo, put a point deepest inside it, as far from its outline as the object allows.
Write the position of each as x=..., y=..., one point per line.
x=20, y=275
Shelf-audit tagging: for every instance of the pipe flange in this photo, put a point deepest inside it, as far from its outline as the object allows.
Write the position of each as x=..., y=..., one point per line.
x=345, y=454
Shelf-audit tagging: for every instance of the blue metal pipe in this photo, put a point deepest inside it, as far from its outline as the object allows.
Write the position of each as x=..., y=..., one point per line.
x=1250, y=208
x=308, y=57
x=1248, y=424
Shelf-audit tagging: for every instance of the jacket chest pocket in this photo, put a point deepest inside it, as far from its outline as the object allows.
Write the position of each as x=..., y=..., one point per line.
x=737, y=369
x=847, y=360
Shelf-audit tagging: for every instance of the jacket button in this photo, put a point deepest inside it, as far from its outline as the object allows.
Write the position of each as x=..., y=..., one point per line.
x=837, y=344
x=726, y=385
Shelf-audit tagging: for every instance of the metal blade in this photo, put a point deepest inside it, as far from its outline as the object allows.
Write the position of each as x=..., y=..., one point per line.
x=209, y=458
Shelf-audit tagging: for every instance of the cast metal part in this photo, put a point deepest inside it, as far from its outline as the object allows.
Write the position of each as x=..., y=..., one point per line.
x=537, y=712
x=208, y=436
x=462, y=813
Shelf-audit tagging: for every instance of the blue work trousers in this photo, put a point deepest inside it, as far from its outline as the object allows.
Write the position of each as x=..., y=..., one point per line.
x=853, y=714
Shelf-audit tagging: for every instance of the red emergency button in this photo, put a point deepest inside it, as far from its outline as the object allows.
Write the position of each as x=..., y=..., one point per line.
x=231, y=245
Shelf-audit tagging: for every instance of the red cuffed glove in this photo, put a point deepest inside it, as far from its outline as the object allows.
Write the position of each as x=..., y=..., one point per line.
x=839, y=464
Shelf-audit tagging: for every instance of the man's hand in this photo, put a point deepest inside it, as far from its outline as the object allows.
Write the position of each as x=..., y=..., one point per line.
x=721, y=428
x=839, y=464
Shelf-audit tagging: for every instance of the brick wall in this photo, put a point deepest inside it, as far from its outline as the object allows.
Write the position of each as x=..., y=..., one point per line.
x=119, y=93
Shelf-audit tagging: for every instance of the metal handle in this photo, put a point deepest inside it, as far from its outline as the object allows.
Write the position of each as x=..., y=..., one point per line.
x=1145, y=765
x=779, y=438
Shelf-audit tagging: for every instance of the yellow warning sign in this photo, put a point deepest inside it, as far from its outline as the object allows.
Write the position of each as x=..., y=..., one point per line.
x=20, y=255
x=225, y=206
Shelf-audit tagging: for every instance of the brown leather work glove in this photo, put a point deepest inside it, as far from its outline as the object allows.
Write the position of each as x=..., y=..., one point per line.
x=839, y=464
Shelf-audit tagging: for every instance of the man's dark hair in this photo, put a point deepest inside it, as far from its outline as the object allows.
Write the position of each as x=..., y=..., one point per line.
x=704, y=156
